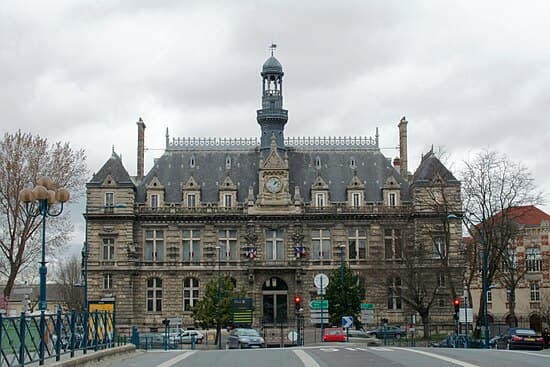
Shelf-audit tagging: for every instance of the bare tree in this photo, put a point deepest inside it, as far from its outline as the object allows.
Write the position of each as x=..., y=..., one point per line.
x=492, y=186
x=69, y=276
x=23, y=159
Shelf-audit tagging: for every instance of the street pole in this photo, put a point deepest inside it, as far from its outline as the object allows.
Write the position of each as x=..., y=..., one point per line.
x=484, y=280
x=218, y=325
x=466, y=304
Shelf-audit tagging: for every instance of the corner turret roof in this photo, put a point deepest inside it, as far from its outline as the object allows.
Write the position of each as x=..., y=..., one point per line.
x=272, y=66
x=115, y=169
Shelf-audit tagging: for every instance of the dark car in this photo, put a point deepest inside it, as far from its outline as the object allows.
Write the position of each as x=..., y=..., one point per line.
x=388, y=331
x=520, y=338
x=244, y=338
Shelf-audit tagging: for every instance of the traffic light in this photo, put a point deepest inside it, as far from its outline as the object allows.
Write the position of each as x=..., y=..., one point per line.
x=456, y=303
x=297, y=302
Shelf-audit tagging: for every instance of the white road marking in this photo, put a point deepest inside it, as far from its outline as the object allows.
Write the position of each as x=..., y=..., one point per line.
x=351, y=349
x=382, y=349
x=173, y=361
x=363, y=349
x=329, y=349
x=306, y=359
x=443, y=358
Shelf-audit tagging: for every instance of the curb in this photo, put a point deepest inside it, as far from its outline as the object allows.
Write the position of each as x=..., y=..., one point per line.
x=95, y=356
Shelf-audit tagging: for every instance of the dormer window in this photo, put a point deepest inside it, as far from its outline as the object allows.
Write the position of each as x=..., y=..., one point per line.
x=227, y=200
x=191, y=201
x=320, y=199
x=352, y=163
x=154, y=201
x=192, y=161
x=227, y=162
x=392, y=199
x=317, y=162
x=109, y=199
x=356, y=199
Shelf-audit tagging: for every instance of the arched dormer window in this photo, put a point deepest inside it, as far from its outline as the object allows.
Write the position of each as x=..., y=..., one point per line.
x=228, y=162
x=352, y=163
x=192, y=161
x=318, y=162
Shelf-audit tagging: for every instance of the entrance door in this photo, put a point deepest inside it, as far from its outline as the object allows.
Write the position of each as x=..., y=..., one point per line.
x=274, y=301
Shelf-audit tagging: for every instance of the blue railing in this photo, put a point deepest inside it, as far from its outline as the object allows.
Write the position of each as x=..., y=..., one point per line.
x=36, y=337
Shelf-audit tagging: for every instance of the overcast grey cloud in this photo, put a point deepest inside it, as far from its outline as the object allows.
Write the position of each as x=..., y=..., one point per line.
x=466, y=74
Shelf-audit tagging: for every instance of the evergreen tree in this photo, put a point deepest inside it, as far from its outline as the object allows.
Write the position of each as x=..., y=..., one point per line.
x=344, y=295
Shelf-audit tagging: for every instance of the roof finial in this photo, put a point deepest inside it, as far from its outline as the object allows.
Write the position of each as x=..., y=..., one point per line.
x=272, y=48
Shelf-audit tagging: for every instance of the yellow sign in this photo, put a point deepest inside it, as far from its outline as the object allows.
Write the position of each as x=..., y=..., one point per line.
x=105, y=315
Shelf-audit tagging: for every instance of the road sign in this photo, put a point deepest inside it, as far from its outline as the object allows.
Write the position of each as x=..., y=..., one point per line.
x=367, y=306
x=317, y=314
x=319, y=304
x=324, y=320
x=321, y=291
x=293, y=336
x=467, y=316
x=175, y=321
x=320, y=280
x=242, y=309
x=347, y=321
x=367, y=316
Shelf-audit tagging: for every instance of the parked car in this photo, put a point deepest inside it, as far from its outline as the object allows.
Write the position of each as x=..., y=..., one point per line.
x=334, y=334
x=365, y=338
x=389, y=331
x=244, y=338
x=186, y=336
x=520, y=338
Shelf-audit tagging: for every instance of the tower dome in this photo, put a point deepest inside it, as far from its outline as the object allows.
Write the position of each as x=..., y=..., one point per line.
x=272, y=66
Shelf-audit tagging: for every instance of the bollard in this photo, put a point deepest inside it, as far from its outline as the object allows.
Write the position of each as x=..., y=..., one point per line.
x=193, y=342
x=22, y=337
x=58, y=333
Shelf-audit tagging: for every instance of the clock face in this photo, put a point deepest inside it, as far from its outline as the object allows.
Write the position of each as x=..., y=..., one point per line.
x=274, y=185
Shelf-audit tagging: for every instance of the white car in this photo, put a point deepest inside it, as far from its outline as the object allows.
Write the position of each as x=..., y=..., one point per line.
x=187, y=335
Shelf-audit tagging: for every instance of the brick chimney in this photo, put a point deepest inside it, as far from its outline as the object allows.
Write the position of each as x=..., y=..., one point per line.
x=140, y=148
x=403, y=147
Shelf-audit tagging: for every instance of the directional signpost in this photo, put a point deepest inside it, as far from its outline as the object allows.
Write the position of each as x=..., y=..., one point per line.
x=367, y=313
x=347, y=322
x=319, y=308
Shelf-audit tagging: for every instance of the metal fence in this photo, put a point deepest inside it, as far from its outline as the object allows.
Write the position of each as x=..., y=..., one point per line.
x=37, y=337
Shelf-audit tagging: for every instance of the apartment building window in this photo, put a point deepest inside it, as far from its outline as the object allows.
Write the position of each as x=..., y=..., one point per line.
x=154, y=201
x=227, y=200
x=191, y=244
x=533, y=259
x=154, y=245
x=320, y=239
x=154, y=295
x=357, y=243
x=356, y=199
x=227, y=240
x=108, y=281
x=392, y=243
x=441, y=281
x=320, y=199
x=109, y=199
x=439, y=248
x=489, y=296
x=190, y=293
x=394, y=294
x=274, y=245
x=108, y=249
x=510, y=261
x=191, y=201
x=508, y=295
x=535, y=291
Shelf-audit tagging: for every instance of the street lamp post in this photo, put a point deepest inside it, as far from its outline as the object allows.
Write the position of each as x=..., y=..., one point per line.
x=484, y=286
x=344, y=292
x=46, y=197
x=218, y=325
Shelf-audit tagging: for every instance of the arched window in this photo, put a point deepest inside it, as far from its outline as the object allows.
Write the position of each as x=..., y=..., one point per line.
x=192, y=161
x=228, y=162
x=352, y=163
x=318, y=162
x=190, y=293
x=154, y=295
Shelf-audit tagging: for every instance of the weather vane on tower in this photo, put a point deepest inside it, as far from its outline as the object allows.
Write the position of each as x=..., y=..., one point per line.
x=272, y=47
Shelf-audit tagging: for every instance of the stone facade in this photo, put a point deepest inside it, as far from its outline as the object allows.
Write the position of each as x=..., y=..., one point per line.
x=154, y=240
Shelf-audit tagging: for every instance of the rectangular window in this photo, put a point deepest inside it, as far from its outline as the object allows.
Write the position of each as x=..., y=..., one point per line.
x=227, y=200
x=394, y=294
x=489, y=296
x=227, y=240
x=191, y=244
x=154, y=245
x=154, y=201
x=533, y=259
x=392, y=199
x=154, y=295
x=356, y=200
x=320, y=239
x=392, y=244
x=320, y=199
x=109, y=199
x=107, y=281
x=510, y=262
x=508, y=295
x=108, y=249
x=190, y=293
x=535, y=292
x=274, y=245
x=441, y=281
x=357, y=243
x=439, y=248
x=191, y=201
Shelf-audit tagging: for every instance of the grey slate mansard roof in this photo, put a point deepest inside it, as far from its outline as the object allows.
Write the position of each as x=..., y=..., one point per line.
x=173, y=170
x=116, y=169
x=429, y=167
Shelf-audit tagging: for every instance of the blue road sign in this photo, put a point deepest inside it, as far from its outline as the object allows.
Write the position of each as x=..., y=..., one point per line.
x=347, y=321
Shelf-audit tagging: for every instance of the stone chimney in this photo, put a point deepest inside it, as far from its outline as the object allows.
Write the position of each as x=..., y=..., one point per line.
x=140, y=148
x=403, y=147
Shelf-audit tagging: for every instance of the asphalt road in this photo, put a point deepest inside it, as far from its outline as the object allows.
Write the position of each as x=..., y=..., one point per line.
x=337, y=355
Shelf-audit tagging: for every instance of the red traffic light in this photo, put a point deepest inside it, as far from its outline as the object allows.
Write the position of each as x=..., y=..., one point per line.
x=456, y=302
x=297, y=299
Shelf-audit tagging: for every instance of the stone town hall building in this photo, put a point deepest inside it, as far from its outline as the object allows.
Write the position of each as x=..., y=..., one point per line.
x=279, y=210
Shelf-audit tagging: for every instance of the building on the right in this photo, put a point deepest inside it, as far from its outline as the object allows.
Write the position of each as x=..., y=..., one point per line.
x=519, y=294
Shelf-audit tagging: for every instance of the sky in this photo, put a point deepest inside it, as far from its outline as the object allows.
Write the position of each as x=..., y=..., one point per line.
x=467, y=75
